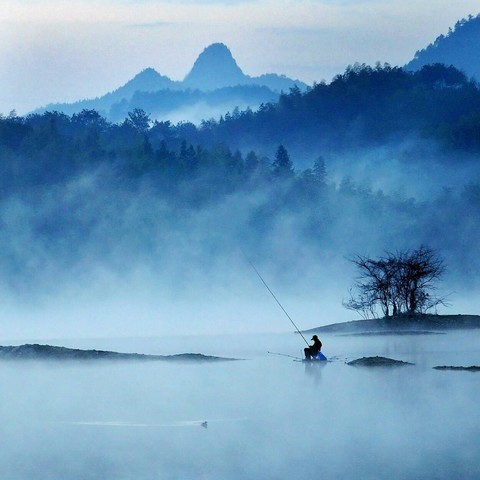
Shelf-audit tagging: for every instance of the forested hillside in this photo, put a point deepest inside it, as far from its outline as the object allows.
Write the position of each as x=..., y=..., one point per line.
x=364, y=106
x=459, y=47
x=79, y=193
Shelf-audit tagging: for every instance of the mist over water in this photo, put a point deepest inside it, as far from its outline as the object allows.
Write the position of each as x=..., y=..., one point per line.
x=268, y=416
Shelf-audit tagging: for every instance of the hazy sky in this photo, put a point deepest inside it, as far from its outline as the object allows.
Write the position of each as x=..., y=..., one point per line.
x=54, y=50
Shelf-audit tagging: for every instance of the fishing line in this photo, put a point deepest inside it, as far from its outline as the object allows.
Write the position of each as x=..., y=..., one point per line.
x=276, y=299
x=285, y=355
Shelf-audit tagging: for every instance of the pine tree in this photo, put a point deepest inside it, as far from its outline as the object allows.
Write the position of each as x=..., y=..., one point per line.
x=282, y=165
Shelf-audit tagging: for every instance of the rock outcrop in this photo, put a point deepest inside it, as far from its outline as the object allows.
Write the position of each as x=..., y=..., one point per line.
x=377, y=362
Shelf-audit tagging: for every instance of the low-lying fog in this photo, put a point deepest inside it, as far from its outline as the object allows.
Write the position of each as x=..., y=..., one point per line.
x=268, y=417
x=95, y=255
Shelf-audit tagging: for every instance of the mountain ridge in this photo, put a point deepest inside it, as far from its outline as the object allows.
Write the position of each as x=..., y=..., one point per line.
x=215, y=69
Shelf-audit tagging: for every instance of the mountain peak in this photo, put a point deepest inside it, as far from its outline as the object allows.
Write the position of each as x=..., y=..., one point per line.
x=216, y=50
x=147, y=73
x=215, y=68
x=149, y=80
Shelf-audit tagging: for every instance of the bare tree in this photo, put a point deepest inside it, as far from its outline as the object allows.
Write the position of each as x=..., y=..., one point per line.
x=398, y=283
x=361, y=303
x=419, y=272
x=374, y=287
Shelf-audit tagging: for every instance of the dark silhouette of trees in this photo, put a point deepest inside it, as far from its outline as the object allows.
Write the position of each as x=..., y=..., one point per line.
x=366, y=105
x=282, y=165
x=398, y=283
x=319, y=171
x=438, y=75
x=139, y=120
x=12, y=130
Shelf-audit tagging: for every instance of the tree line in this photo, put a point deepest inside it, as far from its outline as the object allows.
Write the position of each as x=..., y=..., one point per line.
x=361, y=107
x=42, y=150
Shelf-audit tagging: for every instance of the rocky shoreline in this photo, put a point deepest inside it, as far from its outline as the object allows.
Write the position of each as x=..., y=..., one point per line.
x=50, y=352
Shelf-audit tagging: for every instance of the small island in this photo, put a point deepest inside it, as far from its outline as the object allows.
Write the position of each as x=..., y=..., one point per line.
x=50, y=352
x=418, y=324
x=394, y=294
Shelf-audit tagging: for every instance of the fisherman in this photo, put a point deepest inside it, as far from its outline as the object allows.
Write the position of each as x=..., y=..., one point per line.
x=311, y=351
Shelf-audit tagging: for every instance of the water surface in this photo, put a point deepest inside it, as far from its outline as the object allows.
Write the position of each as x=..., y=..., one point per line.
x=268, y=417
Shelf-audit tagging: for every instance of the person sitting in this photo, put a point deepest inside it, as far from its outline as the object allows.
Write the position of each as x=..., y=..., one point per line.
x=311, y=351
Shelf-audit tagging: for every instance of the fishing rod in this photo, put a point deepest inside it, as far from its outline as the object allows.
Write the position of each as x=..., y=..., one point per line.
x=276, y=299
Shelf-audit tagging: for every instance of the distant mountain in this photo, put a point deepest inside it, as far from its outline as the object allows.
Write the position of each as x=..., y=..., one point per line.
x=459, y=47
x=215, y=68
x=215, y=80
x=148, y=80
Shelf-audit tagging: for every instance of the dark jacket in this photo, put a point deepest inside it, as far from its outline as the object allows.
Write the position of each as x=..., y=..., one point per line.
x=317, y=345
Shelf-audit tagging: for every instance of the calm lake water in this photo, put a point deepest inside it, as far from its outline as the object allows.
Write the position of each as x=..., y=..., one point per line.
x=268, y=417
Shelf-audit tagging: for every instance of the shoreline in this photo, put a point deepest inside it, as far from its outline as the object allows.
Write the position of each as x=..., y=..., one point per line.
x=425, y=324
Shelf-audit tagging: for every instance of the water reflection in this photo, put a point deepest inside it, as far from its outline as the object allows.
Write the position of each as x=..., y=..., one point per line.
x=314, y=370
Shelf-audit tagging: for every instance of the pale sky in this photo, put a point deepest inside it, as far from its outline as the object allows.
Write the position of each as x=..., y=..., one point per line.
x=55, y=51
